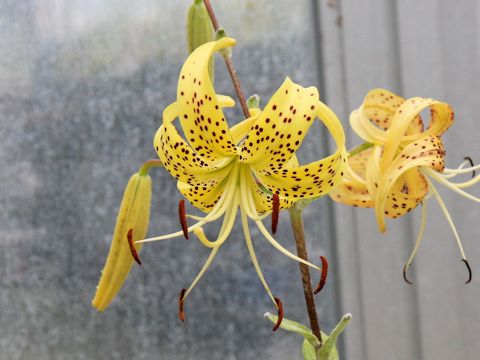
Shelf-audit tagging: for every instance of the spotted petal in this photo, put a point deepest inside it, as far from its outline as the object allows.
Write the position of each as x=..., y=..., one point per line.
x=353, y=190
x=182, y=161
x=205, y=195
x=281, y=127
x=375, y=116
x=426, y=152
x=441, y=119
x=405, y=195
x=201, y=116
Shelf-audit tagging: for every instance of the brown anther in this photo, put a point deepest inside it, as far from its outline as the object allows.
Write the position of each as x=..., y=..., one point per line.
x=183, y=218
x=469, y=159
x=280, y=314
x=181, y=313
x=469, y=271
x=405, y=268
x=275, y=212
x=323, y=276
x=132, y=247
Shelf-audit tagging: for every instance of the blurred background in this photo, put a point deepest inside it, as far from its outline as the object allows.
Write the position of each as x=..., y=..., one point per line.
x=82, y=88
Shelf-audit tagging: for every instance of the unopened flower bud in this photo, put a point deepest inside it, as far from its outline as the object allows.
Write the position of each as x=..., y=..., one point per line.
x=132, y=224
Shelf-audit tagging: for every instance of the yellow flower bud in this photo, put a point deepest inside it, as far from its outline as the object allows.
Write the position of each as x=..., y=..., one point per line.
x=132, y=221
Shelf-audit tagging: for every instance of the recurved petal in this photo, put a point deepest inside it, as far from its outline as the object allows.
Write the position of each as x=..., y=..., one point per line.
x=353, y=189
x=182, y=161
x=199, y=109
x=407, y=192
x=315, y=179
x=263, y=200
x=307, y=181
x=380, y=105
x=375, y=116
x=441, y=117
x=133, y=214
x=280, y=128
x=353, y=194
x=426, y=152
x=204, y=195
x=364, y=128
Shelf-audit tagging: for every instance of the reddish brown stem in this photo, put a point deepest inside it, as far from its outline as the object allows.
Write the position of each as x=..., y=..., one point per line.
x=298, y=233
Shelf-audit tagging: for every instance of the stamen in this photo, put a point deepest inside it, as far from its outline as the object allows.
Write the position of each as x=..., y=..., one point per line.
x=183, y=218
x=225, y=230
x=247, y=207
x=447, y=174
x=205, y=266
x=405, y=268
x=275, y=212
x=450, y=221
x=280, y=248
x=251, y=251
x=280, y=314
x=181, y=312
x=132, y=247
x=452, y=186
x=417, y=242
x=461, y=170
x=469, y=271
x=218, y=210
x=469, y=159
x=323, y=277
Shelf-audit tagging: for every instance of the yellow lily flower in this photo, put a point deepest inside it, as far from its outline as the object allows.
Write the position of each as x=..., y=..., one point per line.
x=247, y=167
x=395, y=174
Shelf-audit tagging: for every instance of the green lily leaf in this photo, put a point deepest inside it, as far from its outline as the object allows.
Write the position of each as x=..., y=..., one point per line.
x=328, y=351
x=308, y=351
x=295, y=327
x=311, y=349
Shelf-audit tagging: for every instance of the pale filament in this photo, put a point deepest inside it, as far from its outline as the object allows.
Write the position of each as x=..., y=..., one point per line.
x=462, y=170
x=205, y=266
x=248, y=204
x=453, y=186
x=251, y=251
x=218, y=210
x=237, y=193
x=448, y=175
x=448, y=217
x=419, y=236
x=227, y=225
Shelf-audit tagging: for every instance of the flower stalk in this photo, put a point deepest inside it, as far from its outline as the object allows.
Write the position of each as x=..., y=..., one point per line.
x=299, y=234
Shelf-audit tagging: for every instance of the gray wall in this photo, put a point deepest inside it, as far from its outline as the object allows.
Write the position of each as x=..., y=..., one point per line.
x=416, y=48
x=82, y=87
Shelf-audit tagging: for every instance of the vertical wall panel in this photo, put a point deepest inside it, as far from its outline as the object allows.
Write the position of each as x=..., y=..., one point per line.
x=431, y=49
x=440, y=59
